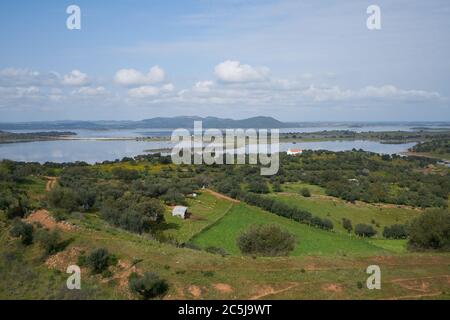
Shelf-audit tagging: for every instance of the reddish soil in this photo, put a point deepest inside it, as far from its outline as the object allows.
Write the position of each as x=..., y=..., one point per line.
x=44, y=218
x=221, y=196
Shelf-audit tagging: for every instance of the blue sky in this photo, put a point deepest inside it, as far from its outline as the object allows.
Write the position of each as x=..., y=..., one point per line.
x=294, y=60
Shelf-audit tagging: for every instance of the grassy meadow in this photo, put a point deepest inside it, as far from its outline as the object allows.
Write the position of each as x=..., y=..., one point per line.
x=378, y=215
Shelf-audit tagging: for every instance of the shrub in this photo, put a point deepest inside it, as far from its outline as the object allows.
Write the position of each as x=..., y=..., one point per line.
x=396, y=231
x=431, y=230
x=22, y=230
x=359, y=284
x=276, y=187
x=50, y=241
x=325, y=224
x=347, y=224
x=266, y=240
x=365, y=230
x=99, y=260
x=63, y=198
x=258, y=186
x=148, y=286
x=125, y=174
x=305, y=192
x=18, y=209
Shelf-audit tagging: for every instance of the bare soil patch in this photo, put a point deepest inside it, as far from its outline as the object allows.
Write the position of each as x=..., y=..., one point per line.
x=44, y=218
x=63, y=259
x=332, y=287
x=121, y=272
x=223, y=287
x=266, y=291
x=221, y=196
x=195, y=291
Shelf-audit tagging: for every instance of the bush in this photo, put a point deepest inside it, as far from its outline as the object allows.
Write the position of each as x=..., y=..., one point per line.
x=365, y=230
x=147, y=286
x=396, y=231
x=258, y=186
x=125, y=174
x=18, y=208
x=99, y=260
x=22, y=230
x=431, y=230
x=305, y=192
x=266, y=240
x=276, y=187
x=347, y=224
x=325, y=224
x=63, y=198
x=50, y=241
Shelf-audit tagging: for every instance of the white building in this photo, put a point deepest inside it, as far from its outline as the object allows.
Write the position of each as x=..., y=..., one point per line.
x=294, y=152
x=179, y=211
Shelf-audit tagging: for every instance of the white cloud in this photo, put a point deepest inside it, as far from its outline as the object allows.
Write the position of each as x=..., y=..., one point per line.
x=169, y=87
x=386, y=92
x=203, y=86
x=392, y=91
x=75, y=78
x=144, y=92
x=14, y=77
x=13, y=73
x=90, y=91
x=234, y=71
x=133, y=77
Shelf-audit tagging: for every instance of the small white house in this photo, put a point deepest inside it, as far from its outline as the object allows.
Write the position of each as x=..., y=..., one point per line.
x=294, y=152
x=179, y=211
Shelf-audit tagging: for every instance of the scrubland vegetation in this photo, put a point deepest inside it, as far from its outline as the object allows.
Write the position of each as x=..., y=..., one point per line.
x=113, y=220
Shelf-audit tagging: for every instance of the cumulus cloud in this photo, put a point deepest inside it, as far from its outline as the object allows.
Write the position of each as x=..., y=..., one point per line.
x=144, y=92
x=234, y=71
x=90, y=91
x=13, y=77
x=236, y=85
x=133, y=77
x=203, y=86
x=168, y=87
x=75, y=78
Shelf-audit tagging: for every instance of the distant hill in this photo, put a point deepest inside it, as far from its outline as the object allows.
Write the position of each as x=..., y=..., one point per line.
x=160, y=122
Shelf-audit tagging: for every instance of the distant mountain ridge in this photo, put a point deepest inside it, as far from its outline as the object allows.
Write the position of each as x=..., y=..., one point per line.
x=159, y=122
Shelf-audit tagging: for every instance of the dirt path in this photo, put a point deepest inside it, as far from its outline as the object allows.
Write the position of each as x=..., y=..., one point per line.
x=267, y=291
x=415, y=296
x=221, y=196
x=51, y=181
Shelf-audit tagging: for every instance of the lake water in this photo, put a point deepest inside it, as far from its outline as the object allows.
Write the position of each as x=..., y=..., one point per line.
x=92, y=151
x=145, y=132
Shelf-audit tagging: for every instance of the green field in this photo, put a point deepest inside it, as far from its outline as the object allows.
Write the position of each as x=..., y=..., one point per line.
x=296, y=187
x=204, y=210
x=310, y=240
x=335, y=209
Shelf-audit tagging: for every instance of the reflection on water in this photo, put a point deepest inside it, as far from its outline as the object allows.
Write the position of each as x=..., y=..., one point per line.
x=98, y=151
